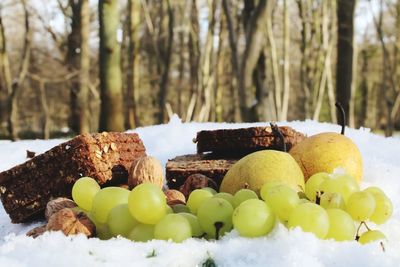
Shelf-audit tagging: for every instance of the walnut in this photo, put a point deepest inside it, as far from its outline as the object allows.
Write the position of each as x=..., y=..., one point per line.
x=145, y=169
x=37, y=231
x=174, y=197
x=57, y=204
x=71, y=222
x=196, y=181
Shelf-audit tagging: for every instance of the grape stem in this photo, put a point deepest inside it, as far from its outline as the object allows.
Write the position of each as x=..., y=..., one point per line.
x=343, y=116
x=359, y=228
x=318, y=195
x=278, y=133
x=218, y=226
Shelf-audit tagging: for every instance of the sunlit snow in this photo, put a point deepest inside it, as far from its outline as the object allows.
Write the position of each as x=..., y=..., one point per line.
x=280, y=248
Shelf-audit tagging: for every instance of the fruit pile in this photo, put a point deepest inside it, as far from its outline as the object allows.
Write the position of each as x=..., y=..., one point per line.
x=331, y=207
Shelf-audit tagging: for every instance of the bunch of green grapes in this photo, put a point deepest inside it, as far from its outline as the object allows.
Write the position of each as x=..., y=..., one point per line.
x=347, y=206
x=331, y=207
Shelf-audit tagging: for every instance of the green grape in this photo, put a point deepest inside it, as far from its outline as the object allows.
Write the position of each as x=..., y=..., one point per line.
x=311, y=218
x=168, y=210
x=282, y=200
x=212, y=190
x=215, y=216
x=120, y=220
x=106, y=199
x=174, y=227
x=243, y=195
x=194, y=224
x=102, y=230
x=178, y=208
x=147, y=203
x=371, y=236
x=343, y=184
x=361, y=206
x=142, y=233
x=83, y=192
x=253, y=218
x=228, y=197
x=264, y=189
x=332, y=201
x=304, y=200
x=384, y=207
x=312, y=186
x=196, y=198
x=341, y=225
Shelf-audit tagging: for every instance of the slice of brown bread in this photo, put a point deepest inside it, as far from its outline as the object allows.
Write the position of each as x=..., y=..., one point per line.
x=179, y=168
x=106, y=157
x=240, y=142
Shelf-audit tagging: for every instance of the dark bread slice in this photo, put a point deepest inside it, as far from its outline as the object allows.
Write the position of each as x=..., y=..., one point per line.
x=26, y=188
x=243, y=141
x=179, y=168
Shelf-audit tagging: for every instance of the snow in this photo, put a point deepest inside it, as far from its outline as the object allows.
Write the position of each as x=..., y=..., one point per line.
x=280, y=248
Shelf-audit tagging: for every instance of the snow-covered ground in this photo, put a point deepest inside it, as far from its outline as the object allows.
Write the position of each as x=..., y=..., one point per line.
x=280, y=248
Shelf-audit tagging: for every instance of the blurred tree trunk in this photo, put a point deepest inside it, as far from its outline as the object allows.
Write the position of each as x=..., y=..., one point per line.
x=112, y=106
x=364, y=88
x=344, y=67
x=254, y=46
x=255, y=42
x=133, y=62
x=165, y=49
x=305, y=49
x=78, y=58
x=206, y=72
x=326, y=79
x=22, y=72
x=219, y=68
x=194, y=59
x=5, y=74
x=235, y=61
x=84, y=75
x=275, y=69
x=73, y=61
x=353, y=91
x=286, y=63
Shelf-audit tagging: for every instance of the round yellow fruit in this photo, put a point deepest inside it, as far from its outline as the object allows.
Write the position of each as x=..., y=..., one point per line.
x=258, y=168
x=325, y=152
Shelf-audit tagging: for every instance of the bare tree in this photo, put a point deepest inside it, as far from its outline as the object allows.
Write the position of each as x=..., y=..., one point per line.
x=84, y=76
x=255, y=42
x=134, y=11
x=167, y=26
x=344, y=64
x=5, y=73
x=112, y=108
x=22, y=72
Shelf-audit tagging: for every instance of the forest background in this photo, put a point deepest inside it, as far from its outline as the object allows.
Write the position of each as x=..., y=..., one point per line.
x=75, y=66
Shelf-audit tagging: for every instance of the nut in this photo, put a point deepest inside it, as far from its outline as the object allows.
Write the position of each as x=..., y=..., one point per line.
x=37, y=231
x=145, y=169
x=71, y=222
x=113, y=146
x=56, y=205
x=174, y=197
x=195, y=181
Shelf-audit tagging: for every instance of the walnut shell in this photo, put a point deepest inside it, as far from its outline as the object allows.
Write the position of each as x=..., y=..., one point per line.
x=196, y=181
x=145, y=169
x=58, y=204
x=37, y=231
x=71, y=222
x=174, y=197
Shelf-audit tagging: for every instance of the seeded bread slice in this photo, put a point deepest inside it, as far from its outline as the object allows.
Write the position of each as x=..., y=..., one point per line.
x=26, y=188
x=179, y=168
x=243, y=141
